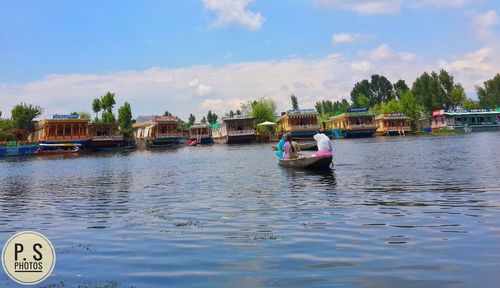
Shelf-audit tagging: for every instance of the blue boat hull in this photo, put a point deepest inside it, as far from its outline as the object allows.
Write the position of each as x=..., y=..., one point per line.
x=18, y=151
x=355, y=133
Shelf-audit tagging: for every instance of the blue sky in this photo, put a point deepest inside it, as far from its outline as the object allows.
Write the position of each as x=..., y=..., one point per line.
x=194, y=55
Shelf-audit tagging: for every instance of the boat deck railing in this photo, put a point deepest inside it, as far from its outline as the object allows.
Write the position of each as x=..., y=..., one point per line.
x=108, y=138
x=66, y=137
x=241, y=132
x=304, y=127
x=362, y=126
x=168, y=135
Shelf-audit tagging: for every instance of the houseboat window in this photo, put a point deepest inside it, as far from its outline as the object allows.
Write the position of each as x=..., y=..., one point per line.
x=473, y=120
x=488, y=119
x=481, y=119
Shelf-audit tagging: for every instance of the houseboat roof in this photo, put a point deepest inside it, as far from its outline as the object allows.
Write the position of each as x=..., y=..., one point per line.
x=465, y=112
x=237, y=117
x=298, y=113
x=62, y=120
x=392, y=116
x=199, y=125
x=354, y=112
x=153, y=120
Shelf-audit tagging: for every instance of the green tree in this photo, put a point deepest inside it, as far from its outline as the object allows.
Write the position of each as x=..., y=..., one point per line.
x=0, y=113
x=360, y=88
x=191, y=120
x=96, y=107
x=212, y=117
x=238, y=112
x=411, y=107
x=470, y=104
x=382, y=89
x=125, y=119
x=203, y=120
x=400, y=88
x=264, y=110
x=6, y=126
x=457, y=96
x=167, y=114
x=378, y=90
x=231, y=113
x=82, y=115
x=362, y=101
x=295, y=102
x=107, y=103
x=489, y=93
x=23, y=115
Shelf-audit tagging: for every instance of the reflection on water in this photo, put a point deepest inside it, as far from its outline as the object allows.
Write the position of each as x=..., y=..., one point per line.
x=393, y=212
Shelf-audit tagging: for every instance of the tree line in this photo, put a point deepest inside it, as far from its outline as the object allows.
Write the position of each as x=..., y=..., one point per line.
x=429, y=92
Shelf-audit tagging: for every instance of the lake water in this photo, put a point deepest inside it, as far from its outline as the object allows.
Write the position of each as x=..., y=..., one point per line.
x=394, y=212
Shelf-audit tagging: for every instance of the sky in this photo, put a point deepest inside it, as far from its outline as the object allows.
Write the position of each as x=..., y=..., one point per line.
x=194, y=55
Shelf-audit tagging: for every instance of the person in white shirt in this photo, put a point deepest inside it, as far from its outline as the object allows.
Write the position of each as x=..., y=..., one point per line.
x=324, y=144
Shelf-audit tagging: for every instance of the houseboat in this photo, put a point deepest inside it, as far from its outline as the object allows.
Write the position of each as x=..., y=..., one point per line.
x=63, y=129
x=106, y=136
x=157, y=131
x=355, y=123
x=200, y=132
x=301, y=124
x=233, y=130
x=466, y=120
x=392, y=124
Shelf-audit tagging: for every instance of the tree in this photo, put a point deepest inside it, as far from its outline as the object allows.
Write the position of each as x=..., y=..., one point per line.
x=6, y=126
x=360, y=88
x=203, y=120
x=231, y=113
x=125, y=119
x=82, y=115
x=23, y=115
x=470, y=104
x=400, y=88
x=295, y=102
x=457, y=96
x=489, y=93
x=96, y=107
x=264, y=110
x=238, y=112
x=0, y=113
x=382, y=89
x=107, y=103
x=167, y=114
x=411, y=107
x=212, y=117
x=362, y=101
x=191, y=120
x=434, y=91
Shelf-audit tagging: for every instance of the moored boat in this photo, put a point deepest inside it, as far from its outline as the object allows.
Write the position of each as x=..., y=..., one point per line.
x=466, y=120
x=58, y=149
x=157, y=131
x=199, y=133
x=311, y=163
x=355, y=123
x=234, y=130
x=301, y=124
x=392, y=124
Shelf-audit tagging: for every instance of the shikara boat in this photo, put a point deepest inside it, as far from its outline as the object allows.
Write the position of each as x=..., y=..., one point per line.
x=58, y=149
x=312, y=163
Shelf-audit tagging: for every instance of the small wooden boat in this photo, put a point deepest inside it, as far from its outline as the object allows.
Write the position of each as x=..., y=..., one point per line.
x=309, y=146
x=58, y=149
x=312, y=163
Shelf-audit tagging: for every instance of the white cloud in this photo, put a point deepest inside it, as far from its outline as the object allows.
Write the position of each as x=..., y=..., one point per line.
x=230, y=12
x=384, y=52
x=371, y=7
x=361, y=66
x=347, y=38
x=200, y=89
